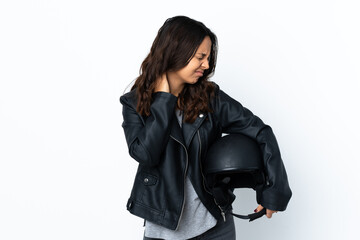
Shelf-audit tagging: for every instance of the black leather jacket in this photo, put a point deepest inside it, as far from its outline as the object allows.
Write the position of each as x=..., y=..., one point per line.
x=166, y=153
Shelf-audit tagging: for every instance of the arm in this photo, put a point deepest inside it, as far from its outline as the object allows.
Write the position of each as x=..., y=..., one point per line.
x=147, y=139
x=234, y=118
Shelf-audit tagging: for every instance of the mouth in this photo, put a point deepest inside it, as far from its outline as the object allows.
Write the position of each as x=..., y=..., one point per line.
x=199, y=73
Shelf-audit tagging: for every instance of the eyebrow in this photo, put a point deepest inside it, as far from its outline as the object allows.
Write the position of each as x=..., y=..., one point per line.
x=202, y=54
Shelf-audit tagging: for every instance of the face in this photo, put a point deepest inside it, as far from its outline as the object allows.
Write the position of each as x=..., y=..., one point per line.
x=195, y=68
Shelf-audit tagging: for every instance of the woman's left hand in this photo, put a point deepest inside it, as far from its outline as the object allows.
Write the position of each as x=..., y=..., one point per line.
x=269, y=212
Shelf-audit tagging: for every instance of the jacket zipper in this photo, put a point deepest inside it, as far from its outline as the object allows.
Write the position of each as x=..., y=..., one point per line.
x=203, y=180
x=186, y=167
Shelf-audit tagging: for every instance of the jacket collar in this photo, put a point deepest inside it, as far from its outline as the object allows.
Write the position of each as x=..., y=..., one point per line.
x=184, y=134
x=189, y=129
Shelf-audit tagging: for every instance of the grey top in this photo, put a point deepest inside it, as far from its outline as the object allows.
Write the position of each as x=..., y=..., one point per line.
x=194, y=220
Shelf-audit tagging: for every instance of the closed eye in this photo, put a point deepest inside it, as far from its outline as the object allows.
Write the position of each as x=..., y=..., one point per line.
x=201, y=56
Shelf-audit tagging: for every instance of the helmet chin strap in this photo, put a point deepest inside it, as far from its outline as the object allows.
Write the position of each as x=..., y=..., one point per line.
x=225, y=197
x=252, y=216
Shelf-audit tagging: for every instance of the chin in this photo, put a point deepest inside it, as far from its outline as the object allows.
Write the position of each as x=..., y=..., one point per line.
x=194, y=81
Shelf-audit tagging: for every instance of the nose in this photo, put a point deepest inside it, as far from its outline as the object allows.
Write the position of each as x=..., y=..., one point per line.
x=205, y=64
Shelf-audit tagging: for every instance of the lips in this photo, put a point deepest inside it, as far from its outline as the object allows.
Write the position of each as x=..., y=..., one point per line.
x=199, y=73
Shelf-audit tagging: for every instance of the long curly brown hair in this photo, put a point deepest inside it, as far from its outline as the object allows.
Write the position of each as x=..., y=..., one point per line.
x=174, y=46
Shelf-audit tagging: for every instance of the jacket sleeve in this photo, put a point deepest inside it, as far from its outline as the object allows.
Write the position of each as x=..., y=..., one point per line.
x=234, y=118
x=146, y=139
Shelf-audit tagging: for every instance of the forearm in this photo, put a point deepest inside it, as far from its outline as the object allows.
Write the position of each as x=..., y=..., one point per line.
x=146, y=140
x=235, y=118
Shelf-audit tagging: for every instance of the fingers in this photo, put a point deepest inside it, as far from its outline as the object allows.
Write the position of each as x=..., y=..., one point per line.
x=269, y=212
x=162, y=84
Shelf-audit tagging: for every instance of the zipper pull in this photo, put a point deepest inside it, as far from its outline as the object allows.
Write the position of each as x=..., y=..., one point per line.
x=221, y=210
x=223, y=215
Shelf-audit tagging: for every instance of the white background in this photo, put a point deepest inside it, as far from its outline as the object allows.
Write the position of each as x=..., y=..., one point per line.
x=65, y=172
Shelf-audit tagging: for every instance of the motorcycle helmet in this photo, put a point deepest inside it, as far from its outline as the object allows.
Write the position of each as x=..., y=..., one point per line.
x=234, y=161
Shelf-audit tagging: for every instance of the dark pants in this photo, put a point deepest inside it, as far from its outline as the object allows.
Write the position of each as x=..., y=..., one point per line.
x=222, y=230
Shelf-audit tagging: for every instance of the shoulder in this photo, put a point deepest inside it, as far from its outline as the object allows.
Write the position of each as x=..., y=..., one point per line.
x=129, y=98
x=221, y=99
x=214, y=85
x=217, y=95
x=217, y=92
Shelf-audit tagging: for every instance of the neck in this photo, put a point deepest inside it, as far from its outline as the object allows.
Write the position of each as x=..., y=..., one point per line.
x=175, y=84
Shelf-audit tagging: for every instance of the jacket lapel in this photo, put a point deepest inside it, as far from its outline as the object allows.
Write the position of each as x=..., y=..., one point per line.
x=189, y=129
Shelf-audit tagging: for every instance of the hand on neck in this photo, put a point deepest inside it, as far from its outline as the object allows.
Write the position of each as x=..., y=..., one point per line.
x=175, y=84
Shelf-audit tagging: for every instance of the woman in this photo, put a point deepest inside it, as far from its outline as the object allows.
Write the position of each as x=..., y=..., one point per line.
x=171, y=116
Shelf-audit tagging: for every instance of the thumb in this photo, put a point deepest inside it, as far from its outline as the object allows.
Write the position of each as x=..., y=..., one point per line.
x=259, y=208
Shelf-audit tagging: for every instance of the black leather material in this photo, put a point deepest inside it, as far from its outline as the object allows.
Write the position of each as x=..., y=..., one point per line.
x=165, y=152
